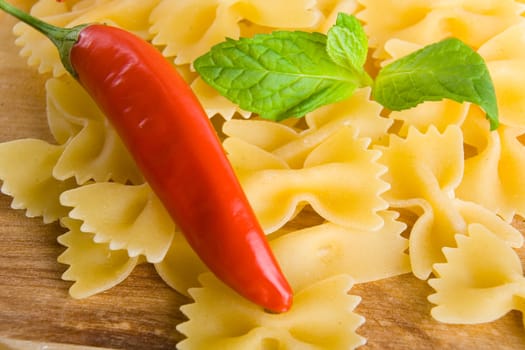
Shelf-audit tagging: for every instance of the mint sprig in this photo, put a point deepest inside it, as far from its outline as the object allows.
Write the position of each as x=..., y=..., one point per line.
x=290, y=73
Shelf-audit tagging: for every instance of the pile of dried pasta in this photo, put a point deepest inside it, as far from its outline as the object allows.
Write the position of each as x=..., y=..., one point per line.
x=358, y=167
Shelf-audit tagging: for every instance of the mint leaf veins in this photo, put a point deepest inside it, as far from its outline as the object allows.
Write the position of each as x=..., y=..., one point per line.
x=347, y=43
x=290, y=73
x=447, y=69
x=278, y=75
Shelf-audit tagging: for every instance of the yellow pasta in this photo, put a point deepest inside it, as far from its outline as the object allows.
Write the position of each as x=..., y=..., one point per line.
x=92, y=149
x=474, y=213
x=423, y=164
x=327, y=250
x=293, y=145
x=432, y=232
x=126, y=217
x=209, y=22
x=214, y=103
x=358, y=167
x=490, y=173
x=424, y=170
x=426, y=21
x=40, y=52
x=93, y=267
x=129, y=14
x=331, y=182
x=322, y=317
x=26, y=168
x=181, y=267
x=481, y=281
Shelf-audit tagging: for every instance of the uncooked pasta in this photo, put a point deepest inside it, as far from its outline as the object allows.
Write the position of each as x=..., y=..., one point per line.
x=360, y=169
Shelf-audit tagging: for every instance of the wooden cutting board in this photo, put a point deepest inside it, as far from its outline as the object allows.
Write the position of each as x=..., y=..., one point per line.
x=142, y=312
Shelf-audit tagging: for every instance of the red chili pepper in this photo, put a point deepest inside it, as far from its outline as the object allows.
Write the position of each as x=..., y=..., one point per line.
x=177, y=149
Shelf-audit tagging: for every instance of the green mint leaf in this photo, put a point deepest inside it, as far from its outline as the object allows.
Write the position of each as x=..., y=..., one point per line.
x=447, y=69
x=347, y=43
x=278, y=75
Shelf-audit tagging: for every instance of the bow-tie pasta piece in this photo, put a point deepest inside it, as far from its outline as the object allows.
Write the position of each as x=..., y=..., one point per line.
x=434, y=229
x=315, y=253
x=188, y=29
x=425, y=21
x=423, y=163
x=360, y=163
x=129, y=14
x=26, y=168
x=424, y=170
x=181, y=266
x=93, y=267
x=331, y=182
x=124, y=216
x=479, y=280
x=93, y=150
x=321, y=317
x=490, y=171
x=505, y=57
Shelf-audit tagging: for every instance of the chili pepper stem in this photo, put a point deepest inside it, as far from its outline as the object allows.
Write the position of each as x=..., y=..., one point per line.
x=62, y=38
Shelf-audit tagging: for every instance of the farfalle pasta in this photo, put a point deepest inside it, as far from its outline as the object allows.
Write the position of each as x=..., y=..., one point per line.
x=430, y=232
x=31, y=184
x=425, y=21
x=327, y=250
x=39, y=52
x=93, y=267
x=92, y=150
x=481, y=280
x=137, y=222
x=426, y=191
x=322, y=317
x=331, y=250
x=330, y=181
x=210, y=21
x=293, y=145
x=427, y=167
x=129, y=14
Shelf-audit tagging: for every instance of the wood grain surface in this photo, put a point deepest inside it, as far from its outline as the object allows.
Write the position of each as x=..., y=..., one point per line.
x=142, y=312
